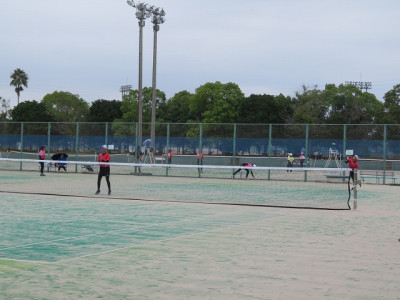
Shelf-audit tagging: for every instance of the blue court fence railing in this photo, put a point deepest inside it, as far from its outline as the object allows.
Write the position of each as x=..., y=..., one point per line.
x=377, y=145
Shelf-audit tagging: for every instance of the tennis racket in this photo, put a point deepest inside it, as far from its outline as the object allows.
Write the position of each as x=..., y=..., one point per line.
x=98, y=150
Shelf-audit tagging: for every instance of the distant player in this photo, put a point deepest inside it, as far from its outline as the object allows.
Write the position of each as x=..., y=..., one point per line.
x=62, y=164
x=200, y=157
x=353, y=165
x=42, y=156
x=245, y=164
x=104, y=169
x=290, y=160
x=302, y=159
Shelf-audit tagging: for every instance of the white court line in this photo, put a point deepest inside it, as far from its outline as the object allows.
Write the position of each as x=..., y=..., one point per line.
x=154, y=242
x=26, y=261
x=138, y=225
x=135, y=246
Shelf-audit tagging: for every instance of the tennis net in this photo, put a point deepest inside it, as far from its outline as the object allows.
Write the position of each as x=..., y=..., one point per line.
x=320, y=188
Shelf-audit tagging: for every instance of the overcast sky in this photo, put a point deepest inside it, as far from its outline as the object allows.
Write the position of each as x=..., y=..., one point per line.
x=90, y=47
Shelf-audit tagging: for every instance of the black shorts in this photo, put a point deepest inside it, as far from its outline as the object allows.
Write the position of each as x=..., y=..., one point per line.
x=104, y=171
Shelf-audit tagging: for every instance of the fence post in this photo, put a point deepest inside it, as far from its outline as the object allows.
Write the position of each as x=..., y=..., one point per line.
x=384, y=153
x=168, y=149
x=106, y=134
x=48, y=136
x=344, y=139
x=21, y=146
x=76, y=146
x=234, y=144
x=344, y=147
x=306, y=154
x=269, y=150
x=199, y=157
x=137, y=150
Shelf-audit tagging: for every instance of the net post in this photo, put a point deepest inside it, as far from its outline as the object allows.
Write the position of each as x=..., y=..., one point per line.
x=355, y=189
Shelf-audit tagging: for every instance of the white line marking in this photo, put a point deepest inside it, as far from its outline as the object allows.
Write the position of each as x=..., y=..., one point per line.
x=136, y=225
x=153, y=242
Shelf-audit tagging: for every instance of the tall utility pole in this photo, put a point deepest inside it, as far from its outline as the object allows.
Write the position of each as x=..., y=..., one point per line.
x=143, y=11
x=158, y=18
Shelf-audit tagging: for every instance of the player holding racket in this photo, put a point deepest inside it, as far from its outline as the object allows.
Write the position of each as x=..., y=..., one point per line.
x=353, y=165
x=42, y=156
x=245, y=164
x=104, y=169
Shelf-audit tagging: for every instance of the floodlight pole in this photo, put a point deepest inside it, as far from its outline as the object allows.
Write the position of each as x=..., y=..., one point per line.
x=156, y=27
x=143, y=11
x=140, y=83
x=158, y=18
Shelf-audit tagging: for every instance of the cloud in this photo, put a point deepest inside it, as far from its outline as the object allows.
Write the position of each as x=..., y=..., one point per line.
x=90, y=47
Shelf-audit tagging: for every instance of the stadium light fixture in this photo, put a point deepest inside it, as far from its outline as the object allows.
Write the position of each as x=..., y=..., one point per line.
x=157, y=19
x=143, y=11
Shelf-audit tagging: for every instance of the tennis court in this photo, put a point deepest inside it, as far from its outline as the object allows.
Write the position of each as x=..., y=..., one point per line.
x=68, y=247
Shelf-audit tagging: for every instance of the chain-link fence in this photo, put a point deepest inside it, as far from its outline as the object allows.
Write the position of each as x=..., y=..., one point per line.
x=378, y=146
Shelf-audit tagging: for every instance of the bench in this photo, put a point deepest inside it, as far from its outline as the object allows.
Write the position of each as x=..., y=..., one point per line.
x=159, y=160
x=88, y=168
x=331, y=176
x=51, y=166
x=377, y=174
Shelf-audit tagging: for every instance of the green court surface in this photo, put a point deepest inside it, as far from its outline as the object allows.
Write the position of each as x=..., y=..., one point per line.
x=49, y=229
x=62, y=247
x=291, y=190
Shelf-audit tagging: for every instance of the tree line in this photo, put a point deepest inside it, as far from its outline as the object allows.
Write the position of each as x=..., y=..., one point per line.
x=216, y=102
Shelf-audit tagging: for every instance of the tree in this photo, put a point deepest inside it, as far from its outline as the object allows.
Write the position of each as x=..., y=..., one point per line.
x=216, y=102
x=349, y=105
x=30, y=111
x=66, y=107
x=177, y=108
x=129, y=109
x=19, y=79
x=309, y=106
x=130, y=105
x=4, y=109
x=392, y=105
x=262, y=109
x=104, y=111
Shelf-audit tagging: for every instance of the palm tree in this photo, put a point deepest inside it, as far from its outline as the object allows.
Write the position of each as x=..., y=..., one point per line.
x=18, y=79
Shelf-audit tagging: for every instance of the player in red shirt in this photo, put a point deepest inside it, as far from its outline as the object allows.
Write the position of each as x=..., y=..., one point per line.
x=104, y=169
x=42, y=156
x=245, y=164
x=353, y=165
